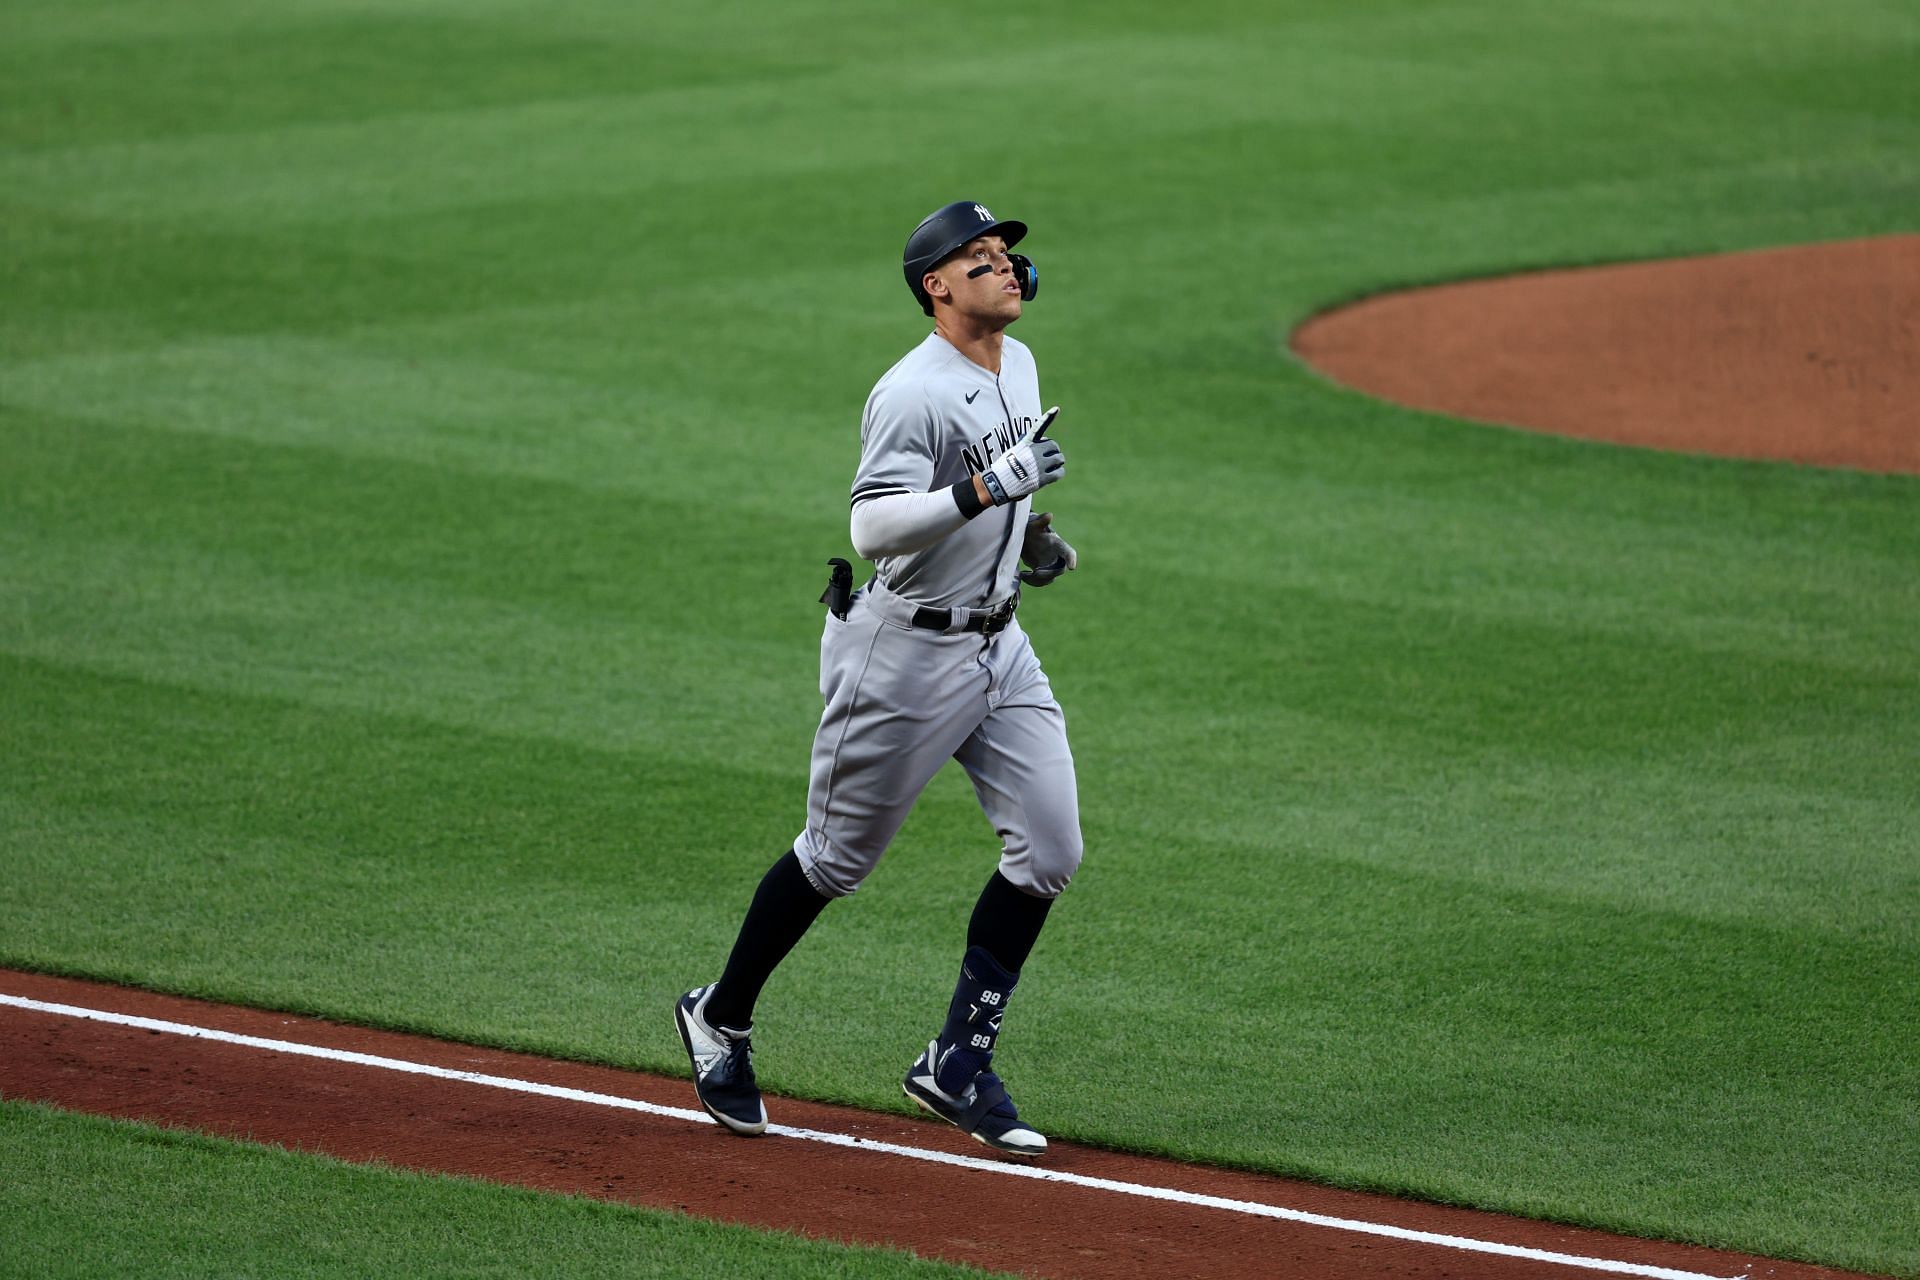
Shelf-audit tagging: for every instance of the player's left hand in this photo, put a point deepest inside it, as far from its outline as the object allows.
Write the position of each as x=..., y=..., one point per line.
x=1045, y=550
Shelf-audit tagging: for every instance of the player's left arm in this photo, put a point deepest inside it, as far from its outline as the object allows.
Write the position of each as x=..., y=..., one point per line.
x=1047, y=554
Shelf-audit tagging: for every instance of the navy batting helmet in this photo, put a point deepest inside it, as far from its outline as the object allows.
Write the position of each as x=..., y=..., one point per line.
x=948, y=229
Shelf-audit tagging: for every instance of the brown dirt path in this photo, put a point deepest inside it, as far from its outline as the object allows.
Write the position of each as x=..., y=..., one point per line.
x=1810, y=353
x=360, y=1112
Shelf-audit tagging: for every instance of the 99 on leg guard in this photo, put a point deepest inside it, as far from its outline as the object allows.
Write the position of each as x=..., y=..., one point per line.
x=973, y=1020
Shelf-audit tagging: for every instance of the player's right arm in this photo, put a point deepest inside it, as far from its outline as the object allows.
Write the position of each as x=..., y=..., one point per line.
x=902, y=523
x=897, y=509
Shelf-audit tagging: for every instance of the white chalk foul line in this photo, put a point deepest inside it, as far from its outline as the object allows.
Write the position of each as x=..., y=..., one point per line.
x=1142, y=1190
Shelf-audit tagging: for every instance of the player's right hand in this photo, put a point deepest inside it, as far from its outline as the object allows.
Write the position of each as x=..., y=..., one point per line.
x=1028, y=466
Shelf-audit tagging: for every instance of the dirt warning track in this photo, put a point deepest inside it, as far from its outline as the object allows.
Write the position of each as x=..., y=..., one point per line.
x=831, y=1172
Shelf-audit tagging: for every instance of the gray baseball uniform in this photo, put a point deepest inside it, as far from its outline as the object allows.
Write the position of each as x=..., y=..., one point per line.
x=902, y=699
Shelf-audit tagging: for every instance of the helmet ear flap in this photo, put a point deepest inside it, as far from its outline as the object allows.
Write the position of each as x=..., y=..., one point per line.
x=1027, y=274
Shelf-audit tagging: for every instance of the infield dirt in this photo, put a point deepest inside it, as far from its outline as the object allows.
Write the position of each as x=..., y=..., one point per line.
x=362, y=1113
x=1809, y=354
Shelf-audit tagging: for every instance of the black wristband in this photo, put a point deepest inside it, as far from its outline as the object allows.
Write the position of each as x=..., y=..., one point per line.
x=966, y=499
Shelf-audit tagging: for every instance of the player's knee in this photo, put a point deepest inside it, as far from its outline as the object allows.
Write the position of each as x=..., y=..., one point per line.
x=1045, y=870
x=1056, y=871
x=828, y=869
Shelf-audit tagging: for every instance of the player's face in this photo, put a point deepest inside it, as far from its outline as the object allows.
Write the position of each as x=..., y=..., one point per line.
x=992, y=294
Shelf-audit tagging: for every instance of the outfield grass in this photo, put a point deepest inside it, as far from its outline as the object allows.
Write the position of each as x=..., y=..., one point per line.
x=423, y=427
x=86, y=1196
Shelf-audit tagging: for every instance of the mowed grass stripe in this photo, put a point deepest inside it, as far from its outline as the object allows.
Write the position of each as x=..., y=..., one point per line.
x=355, y=613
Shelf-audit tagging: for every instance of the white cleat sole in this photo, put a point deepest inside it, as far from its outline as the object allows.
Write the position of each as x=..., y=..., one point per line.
x=1024, y=1143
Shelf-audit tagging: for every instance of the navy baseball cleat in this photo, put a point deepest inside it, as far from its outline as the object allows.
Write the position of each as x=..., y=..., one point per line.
x=722, y=1066
x=951, y=1078
x=982, y=1109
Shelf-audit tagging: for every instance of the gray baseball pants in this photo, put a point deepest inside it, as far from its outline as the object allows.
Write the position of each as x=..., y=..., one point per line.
x=900, y=702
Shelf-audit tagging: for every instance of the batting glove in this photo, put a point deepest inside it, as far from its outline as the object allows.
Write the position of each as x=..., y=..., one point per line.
x=1046, y=551
x=1028, y=466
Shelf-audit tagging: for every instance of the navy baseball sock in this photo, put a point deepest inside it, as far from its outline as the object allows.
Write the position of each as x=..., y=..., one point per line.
x=784, y=907
x=973, y=1021
x=1006, y=921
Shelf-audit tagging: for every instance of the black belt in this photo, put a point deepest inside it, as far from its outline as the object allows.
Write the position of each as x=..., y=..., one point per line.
x=985, y=623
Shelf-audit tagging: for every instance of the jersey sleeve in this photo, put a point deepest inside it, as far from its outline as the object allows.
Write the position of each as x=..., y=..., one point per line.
x=896, y=443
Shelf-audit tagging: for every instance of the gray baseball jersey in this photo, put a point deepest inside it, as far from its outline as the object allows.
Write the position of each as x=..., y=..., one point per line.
x=932, y=420
x=902, y=699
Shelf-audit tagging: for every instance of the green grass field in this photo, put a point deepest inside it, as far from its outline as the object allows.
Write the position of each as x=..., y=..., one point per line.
x=423, y=427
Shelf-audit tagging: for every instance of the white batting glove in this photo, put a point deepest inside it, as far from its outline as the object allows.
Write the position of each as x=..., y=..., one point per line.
x=1028, y=466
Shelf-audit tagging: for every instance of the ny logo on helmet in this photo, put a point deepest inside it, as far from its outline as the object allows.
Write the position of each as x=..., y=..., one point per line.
x=982, y=211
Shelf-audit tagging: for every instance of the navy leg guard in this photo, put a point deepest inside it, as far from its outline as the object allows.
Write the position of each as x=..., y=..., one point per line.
x=973, y=1020
x=952, y=1080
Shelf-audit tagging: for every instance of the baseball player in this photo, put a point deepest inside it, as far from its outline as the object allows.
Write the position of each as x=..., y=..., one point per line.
x=925, y=663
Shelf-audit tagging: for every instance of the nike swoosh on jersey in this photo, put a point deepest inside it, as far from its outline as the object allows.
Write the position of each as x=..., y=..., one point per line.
x=971, y=394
